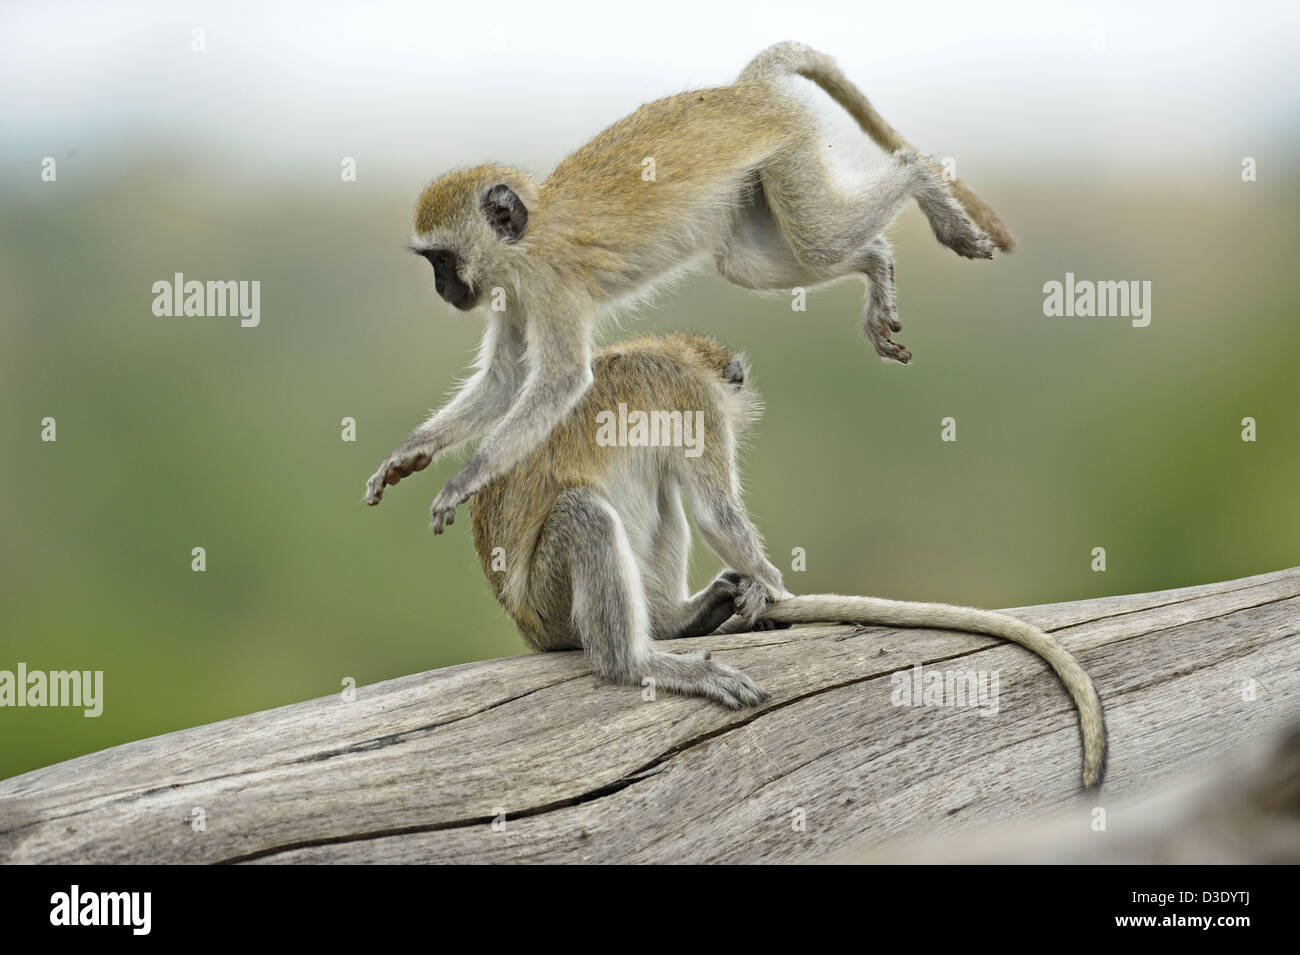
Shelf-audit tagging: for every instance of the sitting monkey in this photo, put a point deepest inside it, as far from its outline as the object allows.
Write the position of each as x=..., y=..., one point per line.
x=595, y=542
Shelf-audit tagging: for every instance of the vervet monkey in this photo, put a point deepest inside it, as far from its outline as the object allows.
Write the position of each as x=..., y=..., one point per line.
x=738, y=175
x=586, y=545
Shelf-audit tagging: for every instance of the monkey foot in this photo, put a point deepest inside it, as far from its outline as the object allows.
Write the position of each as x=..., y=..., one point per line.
x=959, y=233
x=886, y=347
x=701, y=675
x=975, y=246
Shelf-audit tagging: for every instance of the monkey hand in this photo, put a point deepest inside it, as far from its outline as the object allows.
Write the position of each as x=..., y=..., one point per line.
x=752, y=599
x=453, y=494
x=401, y=463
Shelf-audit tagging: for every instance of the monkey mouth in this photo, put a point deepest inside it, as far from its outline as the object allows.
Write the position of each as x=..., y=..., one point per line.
x=464, y=297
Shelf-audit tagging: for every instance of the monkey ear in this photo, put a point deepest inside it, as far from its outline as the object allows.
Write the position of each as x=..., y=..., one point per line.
x=506, y=212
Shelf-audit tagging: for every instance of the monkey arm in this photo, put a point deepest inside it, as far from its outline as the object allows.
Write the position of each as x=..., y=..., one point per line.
x=727, y=529
x=481, y=401
x=559, y=373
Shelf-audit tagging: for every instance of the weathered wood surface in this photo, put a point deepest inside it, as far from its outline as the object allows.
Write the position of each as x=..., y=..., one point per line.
x=416, y=769
x=1241, y=810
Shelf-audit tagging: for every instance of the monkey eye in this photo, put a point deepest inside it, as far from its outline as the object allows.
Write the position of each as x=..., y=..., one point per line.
x=441, y=260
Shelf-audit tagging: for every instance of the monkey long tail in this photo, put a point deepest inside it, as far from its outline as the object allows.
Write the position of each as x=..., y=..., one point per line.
x=820, y=608
x=786, y=58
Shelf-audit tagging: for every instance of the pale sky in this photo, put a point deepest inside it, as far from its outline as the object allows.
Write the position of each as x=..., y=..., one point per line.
x=434, y=83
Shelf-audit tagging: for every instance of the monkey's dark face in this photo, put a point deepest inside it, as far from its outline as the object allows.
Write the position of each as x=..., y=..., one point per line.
x=469, y=224
x=447, y=280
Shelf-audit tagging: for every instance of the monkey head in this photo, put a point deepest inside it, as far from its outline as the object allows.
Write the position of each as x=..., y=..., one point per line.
x=469, y=224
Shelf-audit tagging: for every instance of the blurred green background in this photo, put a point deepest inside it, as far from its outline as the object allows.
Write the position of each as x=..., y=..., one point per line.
x=173, y=433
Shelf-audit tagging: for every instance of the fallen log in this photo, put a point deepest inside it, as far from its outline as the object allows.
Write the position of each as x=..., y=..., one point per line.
x=532, y=759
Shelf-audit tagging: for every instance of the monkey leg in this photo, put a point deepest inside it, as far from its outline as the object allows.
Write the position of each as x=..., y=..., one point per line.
x=664, y=559
x=948, y=220
x=714, y=606
x=881, y=314
x=756, y=253
x=828, y=227
x=584, y=552
x=709, y=609
x=757, y=256
x=673, y=615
